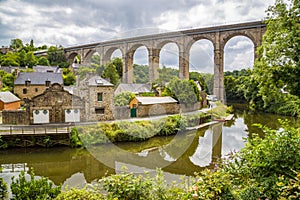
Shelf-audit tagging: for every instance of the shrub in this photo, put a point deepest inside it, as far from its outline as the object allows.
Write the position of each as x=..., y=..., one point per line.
x=74, y=138
x=266, y=165
x=80, y=194
x=127, y=186
x=3, y=189
x=33, y=189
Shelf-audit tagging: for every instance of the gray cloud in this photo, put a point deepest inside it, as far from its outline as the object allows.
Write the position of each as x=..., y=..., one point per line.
x=70, y=23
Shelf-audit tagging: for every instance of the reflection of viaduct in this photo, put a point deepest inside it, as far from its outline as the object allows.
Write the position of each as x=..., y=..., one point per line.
x=218, y=36
x=67, y=162
x=180, y=149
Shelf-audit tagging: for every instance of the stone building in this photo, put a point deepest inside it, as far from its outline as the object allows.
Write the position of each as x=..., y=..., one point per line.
x=150, y=106
x=8, y=101
x=28, y=85
x=55, y=105
x=99, y=96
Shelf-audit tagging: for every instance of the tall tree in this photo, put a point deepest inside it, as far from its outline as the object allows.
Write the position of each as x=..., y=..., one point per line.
x=119, y=65
x=16, y=44
x=57, y=57
x=277, y=67
x=185, y=91
x=111, y=73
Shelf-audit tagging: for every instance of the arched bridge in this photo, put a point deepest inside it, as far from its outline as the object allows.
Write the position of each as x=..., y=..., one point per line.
x=217, y=35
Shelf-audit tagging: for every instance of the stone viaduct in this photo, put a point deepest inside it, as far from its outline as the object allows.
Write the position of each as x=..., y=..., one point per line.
x=218, y=35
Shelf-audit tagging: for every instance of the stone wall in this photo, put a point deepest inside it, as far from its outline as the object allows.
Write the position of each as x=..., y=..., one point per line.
x=32, y=90
x=157, y=109
x=15, y=117
x=190, y=107
x=90, y=95
x=56, y=100
x=122, y=112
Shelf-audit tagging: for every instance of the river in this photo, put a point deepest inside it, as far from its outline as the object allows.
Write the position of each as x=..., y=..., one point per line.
x=182, y=154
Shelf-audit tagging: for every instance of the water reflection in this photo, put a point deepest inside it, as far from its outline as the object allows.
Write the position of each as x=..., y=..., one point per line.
x=182, y=154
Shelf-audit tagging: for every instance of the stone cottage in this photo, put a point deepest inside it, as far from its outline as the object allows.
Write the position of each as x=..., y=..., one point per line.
x=99, y=96
x=28, y=85
x=55, y=105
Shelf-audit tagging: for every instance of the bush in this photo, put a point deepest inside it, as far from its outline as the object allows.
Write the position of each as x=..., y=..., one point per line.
x=33, y=189
x=266, y=165
x=80, y=194
x=3, y=189
x=74, y=138
x=127, y=186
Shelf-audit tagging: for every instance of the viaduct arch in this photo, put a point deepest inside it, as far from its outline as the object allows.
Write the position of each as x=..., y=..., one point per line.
x=218, y=35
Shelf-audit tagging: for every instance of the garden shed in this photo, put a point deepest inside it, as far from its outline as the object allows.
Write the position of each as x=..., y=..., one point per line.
x=150, y=106
x=8, y=101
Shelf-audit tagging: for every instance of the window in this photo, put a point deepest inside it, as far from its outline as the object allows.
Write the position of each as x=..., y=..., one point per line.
x=99, y=111
x=25, y=91
x=36, y=89
x=99, y=96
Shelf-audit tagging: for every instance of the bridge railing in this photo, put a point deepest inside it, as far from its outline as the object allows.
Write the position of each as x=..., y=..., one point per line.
x=34, y=130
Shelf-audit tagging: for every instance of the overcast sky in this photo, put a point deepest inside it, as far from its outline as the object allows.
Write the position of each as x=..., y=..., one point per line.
x=69, y=22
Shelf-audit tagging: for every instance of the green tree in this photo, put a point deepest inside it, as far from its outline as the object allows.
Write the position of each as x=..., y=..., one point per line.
x=196, y=76
x=185, y=91
x=140, y=73
x=10, y=59
x=43, y=61
x=119, y=65
x=57, y=57
x=111, y=73
x=30, y=59
x=123, y=99
x=68, y=77
x=277, y=67
x=83, y=71
x=16, y=44
x=209, y=80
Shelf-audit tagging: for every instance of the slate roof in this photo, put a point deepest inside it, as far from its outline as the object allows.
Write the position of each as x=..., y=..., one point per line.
x=155, y=100
x=38, y=78
x=40, y=68
x=133, y=87
x=98, y=81
x=8, y=97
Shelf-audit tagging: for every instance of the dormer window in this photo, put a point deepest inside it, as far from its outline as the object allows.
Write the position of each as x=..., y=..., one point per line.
x=27, y=82
x=48, y=83
x=99, y=82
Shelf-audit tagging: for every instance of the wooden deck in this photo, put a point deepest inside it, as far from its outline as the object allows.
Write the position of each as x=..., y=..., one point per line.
x=35, y=130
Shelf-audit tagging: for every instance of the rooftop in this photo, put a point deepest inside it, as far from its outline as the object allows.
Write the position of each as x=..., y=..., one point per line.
x=98, y=81
x=38, y=78
x=155, y=100
x=8, y=97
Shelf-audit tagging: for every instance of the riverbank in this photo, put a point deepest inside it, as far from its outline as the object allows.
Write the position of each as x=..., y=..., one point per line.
x=131, y=130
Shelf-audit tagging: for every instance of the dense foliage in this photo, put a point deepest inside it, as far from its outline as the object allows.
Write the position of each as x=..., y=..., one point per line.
x=3, y=189
x=39, y=189
x=184, y=91
x=123, y=99
x=137, y=131
x=274, y=84
x=7, y=80
x=233, y=83
x=140, y=73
